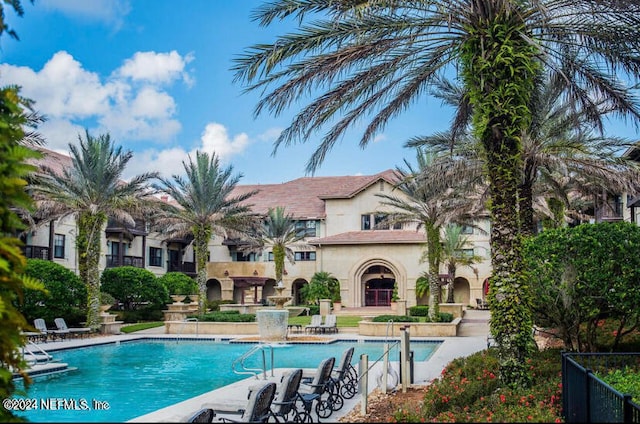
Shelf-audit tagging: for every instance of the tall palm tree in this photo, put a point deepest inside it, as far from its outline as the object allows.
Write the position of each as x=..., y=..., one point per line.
x=277, y=232
x=374, y=59
x=205, y=207
x=453, y=243
x=431, y=205
x=92, y=190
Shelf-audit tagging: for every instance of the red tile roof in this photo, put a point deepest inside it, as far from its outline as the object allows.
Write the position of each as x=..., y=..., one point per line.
x=304, y=197
x=372, y=237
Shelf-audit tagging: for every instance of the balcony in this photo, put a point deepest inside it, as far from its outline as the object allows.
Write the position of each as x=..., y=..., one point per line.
x=188, y=268
x=113, y=261
x=36, y=252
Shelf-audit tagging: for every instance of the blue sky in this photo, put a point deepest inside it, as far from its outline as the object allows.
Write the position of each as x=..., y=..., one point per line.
x=156, y=76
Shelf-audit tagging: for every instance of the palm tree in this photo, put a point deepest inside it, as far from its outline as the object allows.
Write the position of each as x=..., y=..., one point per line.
x=431, y=205
x=374, y=59
x=453, y=243
x=205, y=207
x=92, y=190
x=277, y=232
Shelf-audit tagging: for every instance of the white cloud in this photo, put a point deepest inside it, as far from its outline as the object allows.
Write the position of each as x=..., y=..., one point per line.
x=107, y=11
x=215, y=139
x=155, y=67
x=378, y=138
x=64, y=90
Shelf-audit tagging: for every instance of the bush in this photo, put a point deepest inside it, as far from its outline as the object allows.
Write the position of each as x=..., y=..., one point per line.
x=141, y=315
x=179, y=283
x=441, y=317
x=394, y=318
x=136, y=288
x=625, y=381
x=214, y=305
x=66, y=297
x=227, y=316
x=419, y=311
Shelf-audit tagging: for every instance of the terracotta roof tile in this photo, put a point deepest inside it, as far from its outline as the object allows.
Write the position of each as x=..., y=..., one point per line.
x=372, y=237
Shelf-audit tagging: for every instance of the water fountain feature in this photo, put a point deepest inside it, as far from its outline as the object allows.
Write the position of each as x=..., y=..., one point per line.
x=272, y=323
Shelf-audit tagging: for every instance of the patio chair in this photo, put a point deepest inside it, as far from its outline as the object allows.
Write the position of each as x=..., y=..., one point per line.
x=76, y=331
x=330, y=324
x=314, y=326
x=313, y=391
x=284, y=404
x=41, y=326
x=345, y=375
x=482, y=304
x=258, y=408
x=204, y=415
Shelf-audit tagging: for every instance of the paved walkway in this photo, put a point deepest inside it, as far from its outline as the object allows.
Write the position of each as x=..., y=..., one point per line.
x=472, y=337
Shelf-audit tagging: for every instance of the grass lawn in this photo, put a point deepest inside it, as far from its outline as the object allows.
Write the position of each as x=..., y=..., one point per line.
x=141, y=326
x=342, y=321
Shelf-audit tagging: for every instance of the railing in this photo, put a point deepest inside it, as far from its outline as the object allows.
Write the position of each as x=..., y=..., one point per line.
x=186, y=267
x=41, y=357
x=244, y=370
x=186, y=320
x=113, y=261
x=36, y=252
x=586, y=398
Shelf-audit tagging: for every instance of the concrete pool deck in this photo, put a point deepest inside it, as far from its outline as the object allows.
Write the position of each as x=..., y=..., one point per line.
x=472, y=338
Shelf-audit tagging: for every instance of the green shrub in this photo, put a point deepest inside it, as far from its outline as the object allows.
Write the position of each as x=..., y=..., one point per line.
x=136, y=288
x=66, y=297
x=140, y=315
x=227, y=316
x=214, y=305
x=179, y=283
x=626, y=381
x=419, y=311
x=441, y=317
x=395, y=318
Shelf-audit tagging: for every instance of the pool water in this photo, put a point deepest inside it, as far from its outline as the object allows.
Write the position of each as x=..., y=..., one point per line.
x=118, y=382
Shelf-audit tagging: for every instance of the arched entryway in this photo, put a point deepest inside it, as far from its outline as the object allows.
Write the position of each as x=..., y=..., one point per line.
x=461, y=291
x=296, y=288
x=214, y=290
x=373, y=282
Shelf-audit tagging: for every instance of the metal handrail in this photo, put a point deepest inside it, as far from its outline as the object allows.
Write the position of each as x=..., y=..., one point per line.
x=47, y=357
x=185, y=321
x=253, y=371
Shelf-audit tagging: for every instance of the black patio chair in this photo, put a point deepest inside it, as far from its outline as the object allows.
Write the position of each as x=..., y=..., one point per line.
x=283, y=406
x=313, y=391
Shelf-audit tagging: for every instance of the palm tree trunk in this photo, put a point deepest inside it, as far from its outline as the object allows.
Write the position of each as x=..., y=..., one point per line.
x=88, y=247
x=434, y=249
x=278, y=259
x=499, y=67
x=202, y=234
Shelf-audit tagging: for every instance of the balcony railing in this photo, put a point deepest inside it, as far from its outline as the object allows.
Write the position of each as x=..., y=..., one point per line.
x=36, y=252
x=113, y=261
x=188, y=268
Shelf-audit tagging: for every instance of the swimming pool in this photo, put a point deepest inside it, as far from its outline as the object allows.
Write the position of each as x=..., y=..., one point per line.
x=137, y=377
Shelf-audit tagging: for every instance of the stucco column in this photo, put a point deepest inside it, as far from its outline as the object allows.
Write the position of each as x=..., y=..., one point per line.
x=401, y=307
x=325, y=306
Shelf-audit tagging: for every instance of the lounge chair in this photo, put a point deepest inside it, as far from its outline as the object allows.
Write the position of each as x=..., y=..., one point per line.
x=330, y=324
x=41, y=326
x=313, y=391
x=283, y=406
x=77, y=331
x=482, y=304
x=314, y=326
x=258, y=408
x=204, y=415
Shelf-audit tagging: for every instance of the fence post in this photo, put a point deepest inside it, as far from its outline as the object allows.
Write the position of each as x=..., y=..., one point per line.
x=587, y=390
x=385, y=368
x=363, y=368
x=627, y=411
x=404, y=357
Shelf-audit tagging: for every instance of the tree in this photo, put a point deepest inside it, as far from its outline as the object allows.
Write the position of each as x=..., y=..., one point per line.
x=277, y=232
x=14, y=172
x=92, y=190
x=453, y=256
x=583, y=274
x=374, y=59
x=206, y=206
x=179, y=283
x=323, y=285
x=432, y=206
x=134, y=287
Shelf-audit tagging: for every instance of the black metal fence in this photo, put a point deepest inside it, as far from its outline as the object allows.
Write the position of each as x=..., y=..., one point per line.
x=588, y=399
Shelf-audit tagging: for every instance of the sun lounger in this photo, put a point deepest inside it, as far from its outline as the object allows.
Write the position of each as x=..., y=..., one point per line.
x=76, y=331
x=314, y=326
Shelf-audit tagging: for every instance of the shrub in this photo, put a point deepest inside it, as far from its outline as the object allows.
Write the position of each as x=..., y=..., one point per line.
x=214, y=305
x=441, y=317
x=179, y=283
x=136, y=288
x=419, y=311
x=227, y=316
x=66, y=295
x=626, y=381
x=394, y=318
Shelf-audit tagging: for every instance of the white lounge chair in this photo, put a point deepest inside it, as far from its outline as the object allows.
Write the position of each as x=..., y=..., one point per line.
x=314, y=326
x=41, y=326
x=330, y=324
x=76, y=331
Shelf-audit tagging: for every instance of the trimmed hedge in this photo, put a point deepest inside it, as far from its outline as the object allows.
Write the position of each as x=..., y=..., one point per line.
x=419, y=311
x=395, y=318
x=227, y=316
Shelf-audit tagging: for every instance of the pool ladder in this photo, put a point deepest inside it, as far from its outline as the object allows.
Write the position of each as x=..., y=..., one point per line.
x=244, y=370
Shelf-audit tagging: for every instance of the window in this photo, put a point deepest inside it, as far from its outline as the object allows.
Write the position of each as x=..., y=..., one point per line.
x=306, y=228
x=467, y=229
x=366, y=222
x=305, y=256
x=241, y=257
x=465, y=253
x=155, y=256
x=58, y=245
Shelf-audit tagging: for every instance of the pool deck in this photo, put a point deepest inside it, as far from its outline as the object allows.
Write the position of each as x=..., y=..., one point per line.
x=472, y=337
